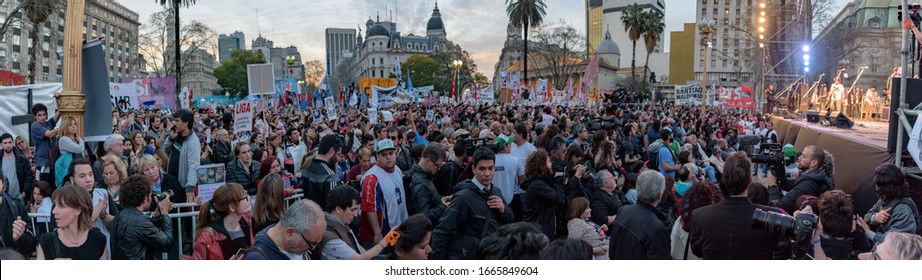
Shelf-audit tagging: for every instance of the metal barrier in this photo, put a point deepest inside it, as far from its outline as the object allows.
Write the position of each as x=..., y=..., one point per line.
x=178, y=218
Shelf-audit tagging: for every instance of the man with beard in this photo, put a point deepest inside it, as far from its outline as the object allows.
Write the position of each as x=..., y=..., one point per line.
x=813, y=181
x=16, y=168
x=424, y=198
x=156, y=129
x=321, y=177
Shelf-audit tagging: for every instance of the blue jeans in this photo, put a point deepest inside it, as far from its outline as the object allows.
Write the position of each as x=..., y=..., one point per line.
x=711, y=176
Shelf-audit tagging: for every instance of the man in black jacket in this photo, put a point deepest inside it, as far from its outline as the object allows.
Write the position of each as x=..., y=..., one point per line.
x=724, y=231
x=244, y=170
x=604, y=203
x=447, y=178
x=476, y=211
x=222, y=148
x=423, y=196
x=134, y=235
x=639, y=231
x=321, y=177
x=17, y=168
x=14, y=227
x=813, y=181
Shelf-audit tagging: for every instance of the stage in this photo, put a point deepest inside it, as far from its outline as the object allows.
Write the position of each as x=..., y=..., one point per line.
x=857, y=151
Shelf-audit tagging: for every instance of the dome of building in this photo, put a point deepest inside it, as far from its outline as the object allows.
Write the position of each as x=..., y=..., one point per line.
x=435, y=22
x=370, y=22
x=607, y=46
x=378, y=30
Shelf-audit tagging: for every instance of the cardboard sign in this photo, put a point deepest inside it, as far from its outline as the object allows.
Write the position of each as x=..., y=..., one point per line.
x=210, y=178
x=429, y=115
x=124, y=96
x=373, y=115
x=243, y=119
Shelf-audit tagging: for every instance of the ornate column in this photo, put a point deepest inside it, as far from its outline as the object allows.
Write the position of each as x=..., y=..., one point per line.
x=73, y=102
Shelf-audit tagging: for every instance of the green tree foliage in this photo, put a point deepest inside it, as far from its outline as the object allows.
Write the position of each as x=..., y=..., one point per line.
x=232, y=74
x=633, y=21
x=524, y=14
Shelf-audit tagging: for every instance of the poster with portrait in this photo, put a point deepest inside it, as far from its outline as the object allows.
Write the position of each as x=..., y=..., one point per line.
x=210, y=178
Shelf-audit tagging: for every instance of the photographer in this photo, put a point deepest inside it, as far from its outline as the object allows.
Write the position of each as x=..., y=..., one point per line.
x=838, y=237
x=724, y=231
x=813, y=182
x=134, y=235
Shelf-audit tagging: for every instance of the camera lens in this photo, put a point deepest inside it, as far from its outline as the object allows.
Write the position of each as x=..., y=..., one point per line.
x=776, y=224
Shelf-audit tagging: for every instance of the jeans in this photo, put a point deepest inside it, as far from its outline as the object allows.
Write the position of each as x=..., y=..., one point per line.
x=711, y=176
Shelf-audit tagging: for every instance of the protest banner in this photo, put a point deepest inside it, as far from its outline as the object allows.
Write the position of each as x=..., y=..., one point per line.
x=243, y=119
x=210, y=178
x=124, y=96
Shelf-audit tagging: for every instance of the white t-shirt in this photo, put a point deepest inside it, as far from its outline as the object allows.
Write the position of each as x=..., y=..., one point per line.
x=522, y=152
x=548, y=120
x=508, y=168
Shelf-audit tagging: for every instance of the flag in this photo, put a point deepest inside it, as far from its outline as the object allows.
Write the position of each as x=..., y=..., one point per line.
x=454, y=79
x=410, y=87
x=570, y=94
x=592, y=70
x=399, y=73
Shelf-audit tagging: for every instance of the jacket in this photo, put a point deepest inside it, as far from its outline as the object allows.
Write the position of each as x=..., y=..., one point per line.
x=812, y=183
x=134, y=236
x=541, y=203
x=904, y=217
x=265, y=248
x=423, y=197
x=466, y=220
x=335, y=230
x=222, y=152
x=640, y=234
x=603, y=205
x=404, y=158
x=211, y=244
x=724, y=231
x=238, y=174
x=168, y=182
x=24, y=172
x=26, y=243
x=447, y=178
x=190, y=157
x=317, y=181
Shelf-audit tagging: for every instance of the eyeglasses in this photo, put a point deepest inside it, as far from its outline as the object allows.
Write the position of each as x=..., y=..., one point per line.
x=310, y=245
x=245, y=197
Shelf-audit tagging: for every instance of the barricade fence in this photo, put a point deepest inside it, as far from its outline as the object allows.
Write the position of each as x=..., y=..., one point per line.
x=185, y=224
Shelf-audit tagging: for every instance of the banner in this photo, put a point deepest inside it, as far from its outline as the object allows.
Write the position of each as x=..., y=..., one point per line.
x=373, y=115
x=243, y=119
x=287, y=88
x=161, y=90
x=260, y=79
x=688, y=94
x=739, y=97
x=486, y=95
x=915, y=142
x=124, y=96
x=331, y=107
x=594, y=97
x=210, y=178
x=559, y=97
x=382, y=97
x=14, y=102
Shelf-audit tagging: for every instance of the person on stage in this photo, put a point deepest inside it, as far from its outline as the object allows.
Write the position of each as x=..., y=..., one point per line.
x=869, y=104
x=836, y=91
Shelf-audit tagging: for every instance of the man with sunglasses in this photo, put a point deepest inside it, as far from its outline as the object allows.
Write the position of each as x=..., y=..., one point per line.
x=297, y=233
x=423, y=196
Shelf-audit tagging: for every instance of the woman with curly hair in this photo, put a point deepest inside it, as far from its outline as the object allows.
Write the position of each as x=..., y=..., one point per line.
x=894, y=211
x=702, y=193
x=410, y=240
x=542, y=196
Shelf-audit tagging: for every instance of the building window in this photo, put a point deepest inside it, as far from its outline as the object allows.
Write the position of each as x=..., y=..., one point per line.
x=874, y=23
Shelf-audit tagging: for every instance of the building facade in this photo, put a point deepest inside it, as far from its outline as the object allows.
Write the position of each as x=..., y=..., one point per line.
x=228, y=43
x=198, y=74
x=734, y=51
x=864, y=33
x=338, y=41
x=611, y=11
x=682, y=55
x=102, y=18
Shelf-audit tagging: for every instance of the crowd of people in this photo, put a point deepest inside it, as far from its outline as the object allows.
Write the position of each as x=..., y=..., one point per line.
x=621, y=181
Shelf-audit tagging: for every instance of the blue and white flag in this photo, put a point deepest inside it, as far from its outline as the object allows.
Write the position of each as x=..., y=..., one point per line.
x=411, y=89
x=398, y=72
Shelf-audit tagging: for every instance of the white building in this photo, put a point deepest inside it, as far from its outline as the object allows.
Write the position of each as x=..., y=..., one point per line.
x=734, y=51
x=338, y=41
x=611, y=11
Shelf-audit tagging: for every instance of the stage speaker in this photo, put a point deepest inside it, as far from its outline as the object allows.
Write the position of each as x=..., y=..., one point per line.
x=813, y=116
x=844, y=122
x=913, y=98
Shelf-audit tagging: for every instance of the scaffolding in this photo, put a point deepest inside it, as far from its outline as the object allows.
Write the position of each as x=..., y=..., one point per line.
x=903, y=112
x=791, y=25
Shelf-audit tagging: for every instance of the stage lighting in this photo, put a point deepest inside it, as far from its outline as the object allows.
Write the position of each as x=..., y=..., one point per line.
x=806, y=48
x=806, y=57
x=806, y=69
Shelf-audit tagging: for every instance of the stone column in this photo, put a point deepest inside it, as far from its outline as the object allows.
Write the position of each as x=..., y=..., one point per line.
x=73, y=102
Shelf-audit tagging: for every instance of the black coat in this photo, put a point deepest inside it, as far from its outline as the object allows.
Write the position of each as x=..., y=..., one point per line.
x=541, y=203
x=640, y=234
x=23, y=173
x=238, y=174
x=26, y=243
x=134, y=236
x=222, y=152
x=467, y=220
x=447, y=178
x=168, y=182
x=724, y=232
x=423, y=197
x=812, y=183
x=603, y=205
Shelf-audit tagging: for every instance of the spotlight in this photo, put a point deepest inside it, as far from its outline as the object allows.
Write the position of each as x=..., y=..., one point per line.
x=806, y=48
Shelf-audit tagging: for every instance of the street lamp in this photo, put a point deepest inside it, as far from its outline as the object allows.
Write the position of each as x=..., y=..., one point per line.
x=706, y=28
x=457, y=63
x=291, y=61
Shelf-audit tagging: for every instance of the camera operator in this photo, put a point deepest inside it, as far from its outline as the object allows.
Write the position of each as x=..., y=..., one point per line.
x=769, y=136
x=813, y=181
x=134, y=235
x=723, y=230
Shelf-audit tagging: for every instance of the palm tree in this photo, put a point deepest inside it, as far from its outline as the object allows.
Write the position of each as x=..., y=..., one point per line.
x=633, y=21
x=653, y=30
x=176, y=4
x=38, y=11
x=524, y=14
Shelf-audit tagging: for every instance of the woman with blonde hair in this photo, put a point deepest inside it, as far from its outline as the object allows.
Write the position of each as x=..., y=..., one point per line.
x=222, y=233
x=70, y=145
x=270, y=202
x=114, y=173
x=160, y=180
x=75, y=237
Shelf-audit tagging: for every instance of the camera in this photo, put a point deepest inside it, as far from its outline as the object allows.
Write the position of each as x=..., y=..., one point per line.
x=472, y=144
x=775, y=159
x=798, y=229
x=160, y=195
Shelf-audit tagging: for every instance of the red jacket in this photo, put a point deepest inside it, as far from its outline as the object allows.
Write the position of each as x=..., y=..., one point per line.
x=208, y=244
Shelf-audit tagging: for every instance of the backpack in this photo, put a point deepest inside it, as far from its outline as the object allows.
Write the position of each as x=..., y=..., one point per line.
x=653, y=150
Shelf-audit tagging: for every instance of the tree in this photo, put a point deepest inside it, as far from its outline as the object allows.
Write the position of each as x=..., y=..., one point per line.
x=175, y=5
x=424, y=71
x=633, y=21
x=821, y=14
x=313, y=72
x=653, y=26
x=524, y=14
x=37, y=12
x=445, y=57
x=154, y=43
x=232, y=74
x=563, y=53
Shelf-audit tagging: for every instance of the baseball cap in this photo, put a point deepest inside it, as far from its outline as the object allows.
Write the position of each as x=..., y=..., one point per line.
x=384, y=145
x=503, y=140
x=460, y=132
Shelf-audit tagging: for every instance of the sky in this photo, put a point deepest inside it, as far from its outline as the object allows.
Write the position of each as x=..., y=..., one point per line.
x=478, y=26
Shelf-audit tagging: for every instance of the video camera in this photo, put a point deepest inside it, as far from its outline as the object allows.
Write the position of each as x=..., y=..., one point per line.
x=472, y=144
x=602, y=123
x=797, y=229
x=776, y=161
